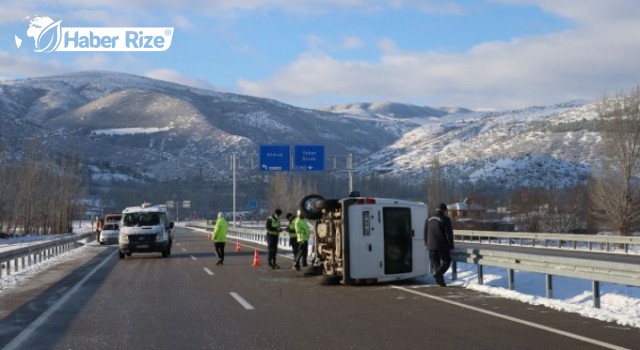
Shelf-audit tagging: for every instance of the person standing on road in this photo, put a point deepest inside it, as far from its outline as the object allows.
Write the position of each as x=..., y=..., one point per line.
x=304, y=233
x=439, y=238
x=219, y=237
x=293, y=236
x=99, y=226
x=273, y=233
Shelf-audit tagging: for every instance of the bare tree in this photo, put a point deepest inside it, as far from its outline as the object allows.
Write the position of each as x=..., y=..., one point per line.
x=286, y=191
x=437, y=189
x=615, y=195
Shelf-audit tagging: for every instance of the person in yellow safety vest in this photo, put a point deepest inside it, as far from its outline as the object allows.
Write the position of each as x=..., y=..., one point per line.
x=293, y=236
x=273, y=232
x=219, y=237
x=304, y=233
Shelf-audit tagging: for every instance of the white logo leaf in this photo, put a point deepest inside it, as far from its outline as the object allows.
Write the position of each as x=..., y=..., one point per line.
x=52, y=36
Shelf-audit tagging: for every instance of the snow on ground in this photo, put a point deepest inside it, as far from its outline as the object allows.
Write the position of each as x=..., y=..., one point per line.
x=619, y=304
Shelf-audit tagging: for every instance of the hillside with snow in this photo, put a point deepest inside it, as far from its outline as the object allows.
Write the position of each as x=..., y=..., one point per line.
x=138, y=128
x=155, y=130
x=551, y=146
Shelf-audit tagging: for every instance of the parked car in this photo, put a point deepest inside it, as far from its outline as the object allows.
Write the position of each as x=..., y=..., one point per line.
x=110, y=233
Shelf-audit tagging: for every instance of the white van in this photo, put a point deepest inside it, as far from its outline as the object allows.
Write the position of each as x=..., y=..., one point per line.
x=145, y=229
x=367, y=240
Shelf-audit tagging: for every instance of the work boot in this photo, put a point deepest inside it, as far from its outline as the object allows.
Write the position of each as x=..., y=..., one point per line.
x=440, y=280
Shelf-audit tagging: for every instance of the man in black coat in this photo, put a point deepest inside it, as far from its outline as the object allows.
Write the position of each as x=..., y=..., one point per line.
x=440, y=243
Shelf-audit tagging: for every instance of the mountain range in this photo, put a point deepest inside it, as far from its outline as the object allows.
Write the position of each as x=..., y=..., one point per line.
x=141, y=129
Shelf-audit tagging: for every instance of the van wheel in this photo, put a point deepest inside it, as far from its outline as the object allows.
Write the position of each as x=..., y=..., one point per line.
x=308, y=208
x=121, y=255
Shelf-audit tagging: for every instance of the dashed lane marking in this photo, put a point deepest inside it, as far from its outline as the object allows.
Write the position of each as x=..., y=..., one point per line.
x=208, y=271
x=242, y=302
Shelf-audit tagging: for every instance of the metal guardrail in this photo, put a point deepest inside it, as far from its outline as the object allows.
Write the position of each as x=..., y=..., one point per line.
x=249, y=234
x=587, y=269
x=550, y=240
x=22, y=258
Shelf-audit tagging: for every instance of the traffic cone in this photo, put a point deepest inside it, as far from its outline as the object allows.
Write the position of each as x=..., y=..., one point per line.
x=237, y=245
x=256, y=260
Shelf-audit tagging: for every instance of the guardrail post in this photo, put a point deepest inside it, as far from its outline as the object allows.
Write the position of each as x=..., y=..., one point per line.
x=549, y=285
x=454, y=270
x=596, y=294
x=480, y=275
x=511, y=278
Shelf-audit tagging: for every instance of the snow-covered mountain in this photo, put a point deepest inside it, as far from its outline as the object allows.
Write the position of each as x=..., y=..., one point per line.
x=136, y=127
x=551, y=146
x=153, y=129
x=394, y=110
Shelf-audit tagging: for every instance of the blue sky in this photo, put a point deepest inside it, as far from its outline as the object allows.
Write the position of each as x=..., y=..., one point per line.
x=493, y=54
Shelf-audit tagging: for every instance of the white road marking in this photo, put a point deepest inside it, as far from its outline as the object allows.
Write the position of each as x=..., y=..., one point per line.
x=193, y=258
x=242, y=302
x=27, y=332
x=184, y=250
x=208, y=271
x=516, y=320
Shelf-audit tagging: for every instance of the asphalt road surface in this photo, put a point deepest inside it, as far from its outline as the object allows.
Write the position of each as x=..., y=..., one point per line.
x=97, y=301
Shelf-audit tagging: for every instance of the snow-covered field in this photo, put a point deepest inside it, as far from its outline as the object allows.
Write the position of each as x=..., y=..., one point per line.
x=619, y=304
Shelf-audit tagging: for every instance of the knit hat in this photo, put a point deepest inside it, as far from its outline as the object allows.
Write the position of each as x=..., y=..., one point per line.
x=442, y=207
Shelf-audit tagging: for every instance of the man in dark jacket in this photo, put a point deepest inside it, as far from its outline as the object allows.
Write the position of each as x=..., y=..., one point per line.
x=440, y=243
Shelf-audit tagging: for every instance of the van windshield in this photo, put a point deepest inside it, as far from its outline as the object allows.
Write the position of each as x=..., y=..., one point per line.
x=142, y=219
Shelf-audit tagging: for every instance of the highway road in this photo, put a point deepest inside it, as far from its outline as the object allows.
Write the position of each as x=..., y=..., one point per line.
x=97, y=301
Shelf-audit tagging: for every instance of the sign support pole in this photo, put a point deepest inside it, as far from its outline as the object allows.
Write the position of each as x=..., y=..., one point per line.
x=233, y=170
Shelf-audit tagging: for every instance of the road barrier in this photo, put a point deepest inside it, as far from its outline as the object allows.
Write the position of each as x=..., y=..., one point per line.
x=609, y=244
x=596, y=271
x=21, y=258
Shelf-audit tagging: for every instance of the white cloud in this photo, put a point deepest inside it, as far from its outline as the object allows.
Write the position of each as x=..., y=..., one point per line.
x=387, y=46
x=351, y=42
x=599, y=54
x=175, y=77
x=18, y=66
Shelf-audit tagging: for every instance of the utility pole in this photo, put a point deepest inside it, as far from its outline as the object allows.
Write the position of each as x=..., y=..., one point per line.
x=348, y=166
